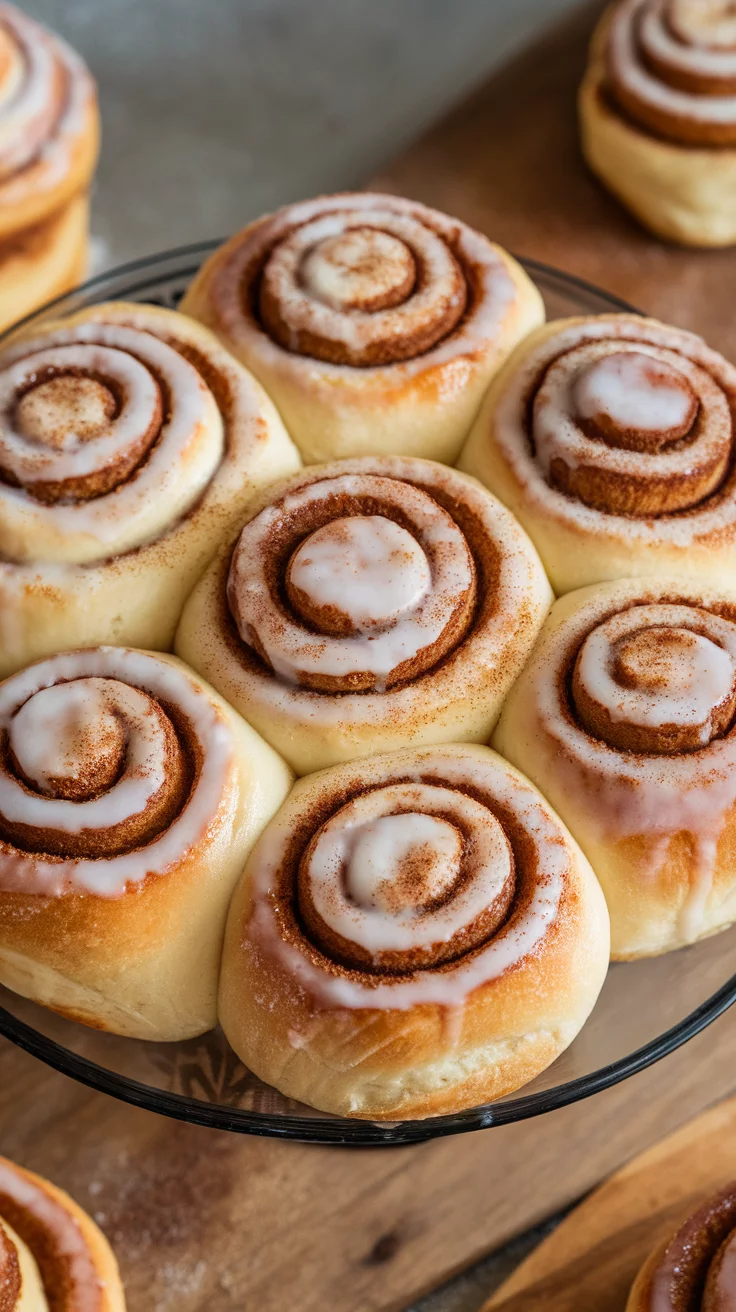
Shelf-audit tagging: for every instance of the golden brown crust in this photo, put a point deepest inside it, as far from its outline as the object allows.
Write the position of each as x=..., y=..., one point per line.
x=624, y=717
x=429, y=982
x=648, y=129
x=51, y=137
x=104, y=541
x=374, y=322
x=612, y=439
x=76, y=1264
x=421, y=609
x=113, y=903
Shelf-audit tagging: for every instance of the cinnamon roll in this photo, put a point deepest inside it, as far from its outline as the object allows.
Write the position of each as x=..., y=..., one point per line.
x=625, y=717
x=130, y=444
x=374, y=323
x=130, y=795
x=53, y=1258
x=414, y=934
x=695, y=1269
x=49, y=138
x=612, y=439
x=658, y=115
x=366, y=605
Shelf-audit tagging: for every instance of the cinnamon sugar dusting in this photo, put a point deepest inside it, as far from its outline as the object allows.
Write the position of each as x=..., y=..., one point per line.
x=112, y=763
x=671, y=67
x=438, y=886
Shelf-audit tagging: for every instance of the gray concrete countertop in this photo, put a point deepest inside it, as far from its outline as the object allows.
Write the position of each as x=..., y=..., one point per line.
x=215, y=111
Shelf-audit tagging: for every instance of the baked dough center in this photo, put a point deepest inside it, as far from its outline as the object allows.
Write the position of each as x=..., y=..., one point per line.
x=362, y=269
x=358, y=572
x=708, y=23
x=66, y=410
x=403, y=861
x=87, y=749
x=635, y=402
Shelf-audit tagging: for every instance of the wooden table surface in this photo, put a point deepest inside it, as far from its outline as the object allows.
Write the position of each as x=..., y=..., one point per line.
x=508, y=162
x=209, y=1220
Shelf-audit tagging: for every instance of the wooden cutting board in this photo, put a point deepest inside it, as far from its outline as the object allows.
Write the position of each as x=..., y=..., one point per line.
x=209, y=1220
x=202, y=1219
x=508, y=162
x=591, y=1260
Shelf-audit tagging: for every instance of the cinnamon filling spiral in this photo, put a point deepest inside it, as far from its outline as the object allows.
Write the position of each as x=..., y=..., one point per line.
x=414, y=879
x=697, y=1272
x=352, y=583
x=657, y=679
x=103, y=429
x=362, y=286
x=111, y=763
x=404, y=877
x=672, y=68
x=45, y=1260
x=630, y=419
x=33, y=87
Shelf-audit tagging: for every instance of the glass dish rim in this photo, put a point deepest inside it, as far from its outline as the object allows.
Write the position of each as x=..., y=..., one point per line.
x=338, y=1131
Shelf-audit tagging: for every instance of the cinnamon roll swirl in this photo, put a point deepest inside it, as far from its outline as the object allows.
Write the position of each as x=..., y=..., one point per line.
x=130, y=795
x=368, y=604
x=414, y=934
x=374, y=323
x=658, y=115
x=53, y=1258
x=625, y=717
x=49, y=137
x=695, y=1269
x=130, y=444
x=613, y=440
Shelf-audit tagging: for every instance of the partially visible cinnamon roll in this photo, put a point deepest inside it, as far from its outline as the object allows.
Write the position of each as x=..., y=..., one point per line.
x=625, y=717
x=613, y=440
x=53, y=1258
x=414, y=933
x=49, y=137
x=130, y=445
x=374, y=323
x=130, y=795
x=368, y=604
x=658, y=115
x=695, y=1270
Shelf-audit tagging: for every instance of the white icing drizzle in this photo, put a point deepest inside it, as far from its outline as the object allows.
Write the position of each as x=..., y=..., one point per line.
x=65, y=1236
x=175, y=472
x=621, y=387
x=587, y=374
x=357, y=869
x=495, y=294
x=358, y=329
x=613, y=333
x=69, y=685
x=521, y=936
x=630, y=794
x=696, y=676
x=369, y=568
x=520, y=591
x=355, y=265
x=645, y=21
x=291, y=647
x=31, y=99
x=45, y=108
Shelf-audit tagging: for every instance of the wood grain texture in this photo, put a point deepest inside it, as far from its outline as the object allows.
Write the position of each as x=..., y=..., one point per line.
x=508, y=162
x=202, y=1219
x=591, y=1260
